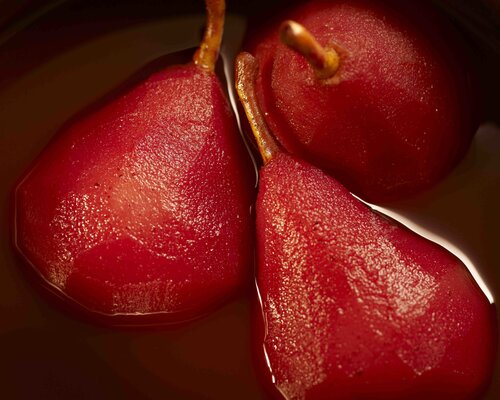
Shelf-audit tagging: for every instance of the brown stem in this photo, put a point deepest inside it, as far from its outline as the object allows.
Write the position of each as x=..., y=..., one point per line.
x=325, y=62
x=207, y=53
x=246, y=69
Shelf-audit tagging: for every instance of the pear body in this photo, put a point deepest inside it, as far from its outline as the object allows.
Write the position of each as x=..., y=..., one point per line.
x=398, y=114
x=357, y=307
x=141, y=209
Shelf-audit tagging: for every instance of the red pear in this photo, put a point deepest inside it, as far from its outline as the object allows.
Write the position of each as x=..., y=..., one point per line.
x=379, y=94
x=140, y=211
x=356, y=306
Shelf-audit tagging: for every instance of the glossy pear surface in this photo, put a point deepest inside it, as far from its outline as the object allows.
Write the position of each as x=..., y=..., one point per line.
x=358, y=307
x=398, y=114
x=143, y=207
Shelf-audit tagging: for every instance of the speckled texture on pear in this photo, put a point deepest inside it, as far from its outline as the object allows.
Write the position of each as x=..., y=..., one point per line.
x=357, y=306
x=143, y=206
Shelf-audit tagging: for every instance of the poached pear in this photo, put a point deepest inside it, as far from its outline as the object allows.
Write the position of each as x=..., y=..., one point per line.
x=140, y=211
x=355, y=306
x=380, y=94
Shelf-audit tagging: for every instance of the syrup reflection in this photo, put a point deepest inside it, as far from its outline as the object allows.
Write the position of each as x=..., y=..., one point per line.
x=456, y=215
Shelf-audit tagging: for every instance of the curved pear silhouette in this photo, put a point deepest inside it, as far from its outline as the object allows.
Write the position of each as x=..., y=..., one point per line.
x=139, y=212
x=356, y=306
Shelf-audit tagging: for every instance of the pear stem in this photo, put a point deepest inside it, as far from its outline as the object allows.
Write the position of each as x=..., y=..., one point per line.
x=246, y=69
x=325, y=62
x=208, y=52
